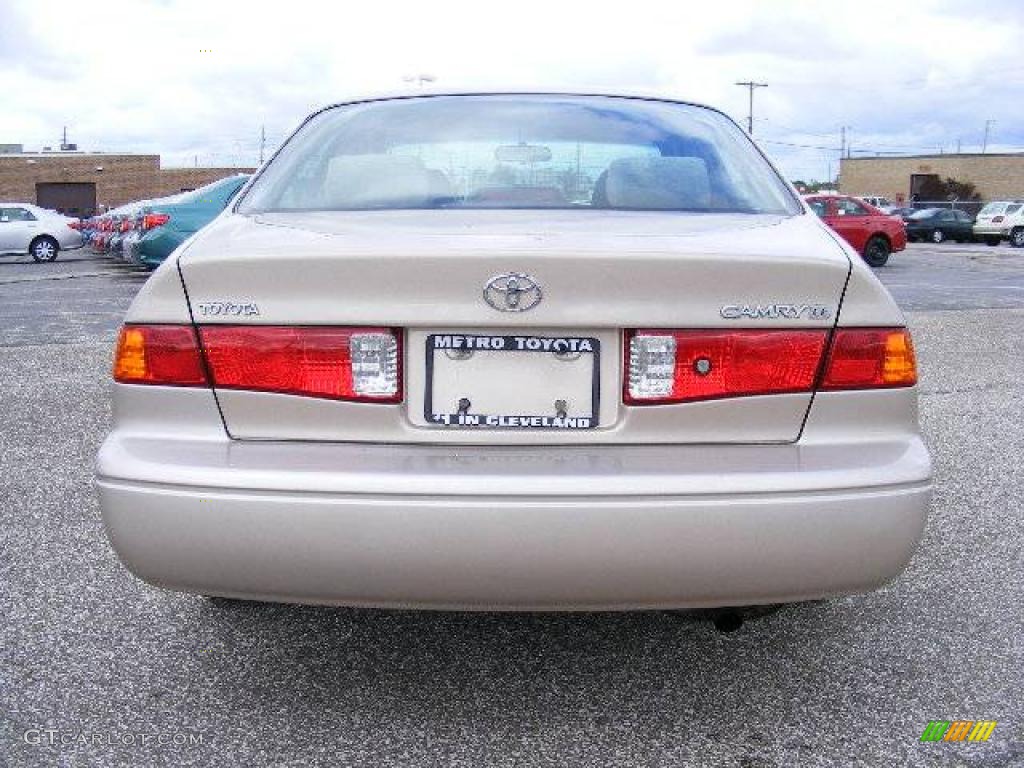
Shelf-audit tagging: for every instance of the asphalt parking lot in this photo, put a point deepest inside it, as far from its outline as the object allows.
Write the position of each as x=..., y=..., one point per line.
x=101, y=660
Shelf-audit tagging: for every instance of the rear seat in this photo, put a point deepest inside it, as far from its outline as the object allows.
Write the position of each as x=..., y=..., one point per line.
x=654, y=183
x=377, y=181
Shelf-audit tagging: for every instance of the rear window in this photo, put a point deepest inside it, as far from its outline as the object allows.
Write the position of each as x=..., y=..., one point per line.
x=992, y=209
x=522, y=151
x=820, y=207
x=217, y=193
x=927, y=213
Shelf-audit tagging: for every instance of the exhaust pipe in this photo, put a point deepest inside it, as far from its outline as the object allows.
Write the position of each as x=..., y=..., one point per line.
x=727, y=620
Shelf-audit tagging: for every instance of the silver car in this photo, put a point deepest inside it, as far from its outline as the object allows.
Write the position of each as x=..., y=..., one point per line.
x=42, y=233
x=516, y=351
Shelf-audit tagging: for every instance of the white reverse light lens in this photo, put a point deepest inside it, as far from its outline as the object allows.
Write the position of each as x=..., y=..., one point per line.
x=652, y=366
x=374, y=364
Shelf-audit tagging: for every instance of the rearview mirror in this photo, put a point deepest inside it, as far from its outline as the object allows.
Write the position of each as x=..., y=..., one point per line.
x=523, y=153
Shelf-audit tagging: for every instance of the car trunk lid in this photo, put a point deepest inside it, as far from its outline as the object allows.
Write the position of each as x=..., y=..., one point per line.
x=597, y=274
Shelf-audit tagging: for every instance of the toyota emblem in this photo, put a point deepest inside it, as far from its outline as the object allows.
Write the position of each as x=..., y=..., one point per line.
x=512, y=292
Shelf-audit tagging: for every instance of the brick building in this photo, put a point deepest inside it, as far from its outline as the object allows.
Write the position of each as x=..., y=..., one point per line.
x=996, y=176
x=79, y=183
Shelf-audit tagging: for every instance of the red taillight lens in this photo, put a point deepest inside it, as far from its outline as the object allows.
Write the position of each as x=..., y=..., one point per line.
x=158, y=354
x=867, y=358
x=154, y=220
x=362, y=364
x=676, y=366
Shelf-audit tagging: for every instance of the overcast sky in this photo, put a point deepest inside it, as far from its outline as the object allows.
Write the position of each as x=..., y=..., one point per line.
x=196, y=79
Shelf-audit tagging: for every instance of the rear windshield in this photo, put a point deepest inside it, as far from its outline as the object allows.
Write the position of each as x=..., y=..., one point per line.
x=520, y=152
x=215, y=193
x=926, y=213
x=993, y=208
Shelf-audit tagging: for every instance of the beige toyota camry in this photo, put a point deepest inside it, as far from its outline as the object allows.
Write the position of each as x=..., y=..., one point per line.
x=516, y=351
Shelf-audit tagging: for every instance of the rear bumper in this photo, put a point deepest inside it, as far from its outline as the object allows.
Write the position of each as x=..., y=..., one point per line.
x=70, y=240
x=615, y=527
x=992, y=231
x=154, y=247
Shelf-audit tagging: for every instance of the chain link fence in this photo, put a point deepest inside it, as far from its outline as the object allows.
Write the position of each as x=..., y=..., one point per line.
x=970, y=207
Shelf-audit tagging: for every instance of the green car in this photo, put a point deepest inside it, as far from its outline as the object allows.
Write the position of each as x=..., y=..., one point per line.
x=167, y=225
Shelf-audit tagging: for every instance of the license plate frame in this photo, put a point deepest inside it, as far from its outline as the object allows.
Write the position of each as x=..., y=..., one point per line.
x=513, y=343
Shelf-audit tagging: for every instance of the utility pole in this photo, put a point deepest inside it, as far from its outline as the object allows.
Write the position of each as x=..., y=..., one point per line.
x=958, y=145
x=263, y=141
x=844, y=147
x=988, y=127
x=750, y=85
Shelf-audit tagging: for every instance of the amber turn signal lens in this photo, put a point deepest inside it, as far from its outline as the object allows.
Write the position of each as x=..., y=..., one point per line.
x=158, y=354
x=866, y=358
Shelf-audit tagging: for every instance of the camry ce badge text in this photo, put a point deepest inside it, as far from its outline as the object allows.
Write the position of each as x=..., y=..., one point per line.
x=775, y=311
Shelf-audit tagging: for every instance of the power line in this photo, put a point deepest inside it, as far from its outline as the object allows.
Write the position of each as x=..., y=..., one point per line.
x=798, y=146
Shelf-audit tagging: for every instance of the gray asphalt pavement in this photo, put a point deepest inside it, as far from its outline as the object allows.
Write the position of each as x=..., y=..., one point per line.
x=93, y=658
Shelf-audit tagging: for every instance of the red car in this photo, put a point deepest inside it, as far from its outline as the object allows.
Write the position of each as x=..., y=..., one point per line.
x=872, y=233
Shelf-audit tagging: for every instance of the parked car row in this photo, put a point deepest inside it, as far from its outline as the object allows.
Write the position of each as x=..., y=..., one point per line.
x=997, y=221
x=39, y=232
x=147, y=231
x=876, y=233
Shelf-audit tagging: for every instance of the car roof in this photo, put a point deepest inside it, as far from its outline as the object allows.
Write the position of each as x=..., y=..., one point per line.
x=636, y=94
x=32, y=207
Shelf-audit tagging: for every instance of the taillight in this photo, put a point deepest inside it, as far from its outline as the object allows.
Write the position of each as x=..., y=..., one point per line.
x=154, y=220
x=159, y=354
x=362, y=364
x=867, y=358
x=665, y=366
x=676, y=366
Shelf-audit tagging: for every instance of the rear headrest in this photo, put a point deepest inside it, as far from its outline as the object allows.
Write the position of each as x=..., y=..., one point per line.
x=658, y=183
x=376, y=181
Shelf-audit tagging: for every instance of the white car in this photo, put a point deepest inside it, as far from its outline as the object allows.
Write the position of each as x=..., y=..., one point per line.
x=26, y=228
x=1001, y=220
x=516, y=351
x=884, y=204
